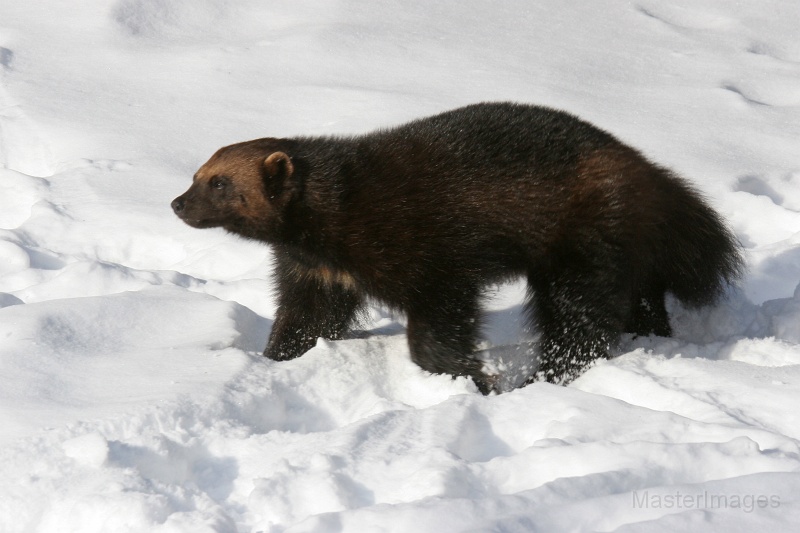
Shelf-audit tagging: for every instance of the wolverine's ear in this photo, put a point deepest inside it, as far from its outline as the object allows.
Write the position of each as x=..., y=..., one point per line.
x=278, y=165
x=278, y=170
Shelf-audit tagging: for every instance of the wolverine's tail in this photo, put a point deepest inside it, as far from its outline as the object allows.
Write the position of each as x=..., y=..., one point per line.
x=701, y=256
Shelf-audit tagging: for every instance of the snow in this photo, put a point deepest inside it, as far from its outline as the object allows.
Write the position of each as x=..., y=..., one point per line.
x=134, y=397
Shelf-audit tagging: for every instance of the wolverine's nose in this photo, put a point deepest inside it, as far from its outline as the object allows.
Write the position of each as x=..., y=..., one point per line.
x=178, y=204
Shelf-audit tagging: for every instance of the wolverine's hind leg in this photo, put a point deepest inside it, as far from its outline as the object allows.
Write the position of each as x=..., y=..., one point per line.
x=580, y=313
x=649, y=314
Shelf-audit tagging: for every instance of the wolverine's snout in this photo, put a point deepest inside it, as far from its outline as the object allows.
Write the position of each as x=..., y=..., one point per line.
x=178, y=204
x=195, y=211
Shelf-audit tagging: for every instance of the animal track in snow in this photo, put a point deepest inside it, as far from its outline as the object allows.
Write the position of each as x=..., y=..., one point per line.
x=681, y=18
x=744, y=96
x=758, y=187
x=767, y=92
x=763, y=48
x=6, y=58
x=779, y=189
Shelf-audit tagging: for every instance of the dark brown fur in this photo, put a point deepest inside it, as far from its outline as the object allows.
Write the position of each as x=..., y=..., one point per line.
x=424, y=216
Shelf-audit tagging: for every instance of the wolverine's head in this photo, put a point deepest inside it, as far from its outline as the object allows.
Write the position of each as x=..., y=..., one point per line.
x=242, y=188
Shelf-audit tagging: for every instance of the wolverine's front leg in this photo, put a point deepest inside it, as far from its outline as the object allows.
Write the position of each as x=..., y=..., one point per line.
x=312, y=303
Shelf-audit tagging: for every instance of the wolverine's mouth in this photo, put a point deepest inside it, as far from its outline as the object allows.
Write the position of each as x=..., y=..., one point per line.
x=201, y=223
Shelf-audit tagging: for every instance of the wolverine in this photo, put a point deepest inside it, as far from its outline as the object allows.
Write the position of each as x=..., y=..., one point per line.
x=423, y=217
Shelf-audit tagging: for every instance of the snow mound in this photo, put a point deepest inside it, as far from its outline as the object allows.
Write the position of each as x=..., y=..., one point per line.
x=131, y=341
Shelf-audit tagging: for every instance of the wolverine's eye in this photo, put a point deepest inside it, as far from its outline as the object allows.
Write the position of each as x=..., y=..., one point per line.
x=219, y=182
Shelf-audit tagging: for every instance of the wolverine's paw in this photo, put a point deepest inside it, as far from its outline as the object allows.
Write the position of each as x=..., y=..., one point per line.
x=487, y=383
x=565, y=375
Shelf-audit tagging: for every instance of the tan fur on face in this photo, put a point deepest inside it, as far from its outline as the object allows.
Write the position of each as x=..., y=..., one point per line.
x=244, y=168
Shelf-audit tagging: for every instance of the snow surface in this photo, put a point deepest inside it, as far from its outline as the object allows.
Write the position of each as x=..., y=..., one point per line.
x=134, y=397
